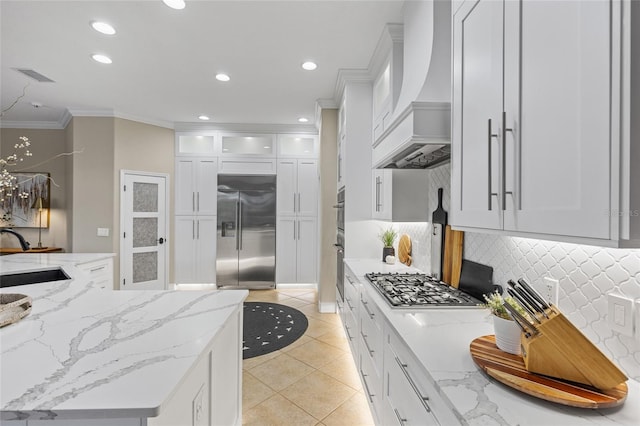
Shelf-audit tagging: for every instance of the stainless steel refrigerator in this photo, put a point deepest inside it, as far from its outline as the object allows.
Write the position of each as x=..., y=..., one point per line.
x=246, y=231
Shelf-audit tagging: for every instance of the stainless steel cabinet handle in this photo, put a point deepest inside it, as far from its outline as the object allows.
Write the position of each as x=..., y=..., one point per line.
x=99, y=268
x=346, y=328
x=346, y=299
x=366, y=308
x=489, y=139
x=198, y=230
x=298, y=230
x=299, y=205
x=400, y=419
x=378, y=185
x=198, y=202
x=294, y=202
x=193, y=201
x=366, y=343
x=364, y=380
x=193, y=229
x=423, y=399
x=504, y=160
x=294, y=230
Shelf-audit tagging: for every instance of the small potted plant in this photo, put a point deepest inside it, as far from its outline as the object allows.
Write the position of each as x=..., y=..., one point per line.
x=506, y=330
x=388, y=237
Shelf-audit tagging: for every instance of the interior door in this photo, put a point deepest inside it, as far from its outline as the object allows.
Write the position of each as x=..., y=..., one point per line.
x=227, y=238
x=144, y=230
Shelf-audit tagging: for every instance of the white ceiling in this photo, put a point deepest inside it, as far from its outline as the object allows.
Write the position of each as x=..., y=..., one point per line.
x=165, y=60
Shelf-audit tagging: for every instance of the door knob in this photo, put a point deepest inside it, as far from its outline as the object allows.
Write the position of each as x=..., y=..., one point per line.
x=161, y=240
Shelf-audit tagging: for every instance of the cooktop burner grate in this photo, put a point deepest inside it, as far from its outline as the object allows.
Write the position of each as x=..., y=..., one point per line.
x=419, y=291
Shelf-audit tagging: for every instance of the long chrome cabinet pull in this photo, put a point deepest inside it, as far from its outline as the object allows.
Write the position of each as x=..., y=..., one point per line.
x=346, y=299
x=299, y=206
x=364, y=380
x=294, y=230
x=423, y=399
x=491, y=135
x=198, y=201
x=400, y=419
x=366, y=308
x=346, y=328
x=193, y=229
x=294, y=202
x=298, y=229
x=504, y=160
x=366, y=343
x=193, y=201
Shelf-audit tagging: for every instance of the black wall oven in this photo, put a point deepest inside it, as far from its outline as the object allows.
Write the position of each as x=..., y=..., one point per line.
x=340, y=243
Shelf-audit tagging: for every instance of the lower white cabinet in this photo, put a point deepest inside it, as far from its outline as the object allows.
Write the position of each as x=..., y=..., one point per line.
x=195, y=250
x=100, y=272
x=296, y=250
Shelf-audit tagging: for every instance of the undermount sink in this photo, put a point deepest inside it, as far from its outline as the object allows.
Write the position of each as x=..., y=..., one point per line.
x=35, y=277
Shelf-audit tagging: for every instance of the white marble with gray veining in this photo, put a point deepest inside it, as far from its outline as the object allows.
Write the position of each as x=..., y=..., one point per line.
x=440, y=339
x=85, y=352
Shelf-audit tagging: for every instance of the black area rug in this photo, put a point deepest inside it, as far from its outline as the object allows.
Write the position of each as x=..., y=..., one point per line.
x=269, y=327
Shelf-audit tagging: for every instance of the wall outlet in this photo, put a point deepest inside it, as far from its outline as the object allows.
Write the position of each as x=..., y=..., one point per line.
x=103, y=232
x=620, y=314
x=550, y=290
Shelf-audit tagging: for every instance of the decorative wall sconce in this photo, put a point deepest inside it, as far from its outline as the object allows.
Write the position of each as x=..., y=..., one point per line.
x=40, y=204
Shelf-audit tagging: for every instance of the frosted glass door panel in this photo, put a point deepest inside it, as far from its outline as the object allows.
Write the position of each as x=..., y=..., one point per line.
x=248, y=145
x=196, y=144
x=145, y=231
x=297, y=145
x=145, y=267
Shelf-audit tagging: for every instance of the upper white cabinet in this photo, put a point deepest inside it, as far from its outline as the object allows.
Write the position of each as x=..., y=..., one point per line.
x=298, y=182
x=400, y=195
x=196, y=144
x=196, y=185
x=247, y=144
x=539, y=140
x=298, y=145
x=387, y=68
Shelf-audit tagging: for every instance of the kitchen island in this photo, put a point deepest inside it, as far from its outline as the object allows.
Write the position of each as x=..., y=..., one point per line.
x=433, y=346
x=92, y=356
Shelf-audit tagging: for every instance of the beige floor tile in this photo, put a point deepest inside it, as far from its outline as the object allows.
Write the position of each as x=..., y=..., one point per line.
x=354, y=412
x=317, y=328
x=295, y=303
x=267, y=296
x=253, y=391
x=277, y=411
x=344, y=369
x=257, y=360
x=301, y=341
x=311, y=297
x=333, y=319
x=310, y=310
x=281, y=371
x=335, y=337
x=295, y=291
x=318, y=394
x=315, y=353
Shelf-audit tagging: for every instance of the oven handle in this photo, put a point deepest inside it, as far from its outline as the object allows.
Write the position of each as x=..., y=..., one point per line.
x=339, y=206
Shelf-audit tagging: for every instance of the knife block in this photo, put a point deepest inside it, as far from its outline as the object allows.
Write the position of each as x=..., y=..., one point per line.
x=560, y=350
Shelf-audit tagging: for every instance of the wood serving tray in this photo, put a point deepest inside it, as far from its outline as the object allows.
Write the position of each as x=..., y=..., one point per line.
x=13, y=307
x=510, y=370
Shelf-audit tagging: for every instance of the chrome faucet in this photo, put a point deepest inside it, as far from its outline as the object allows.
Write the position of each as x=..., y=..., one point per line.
x=23, y=243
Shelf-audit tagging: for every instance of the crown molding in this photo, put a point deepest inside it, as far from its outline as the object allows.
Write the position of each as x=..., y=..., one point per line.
x=44, y=125
x=116, y=114
x=246, y=127
x=391, y=34
x=349, y=76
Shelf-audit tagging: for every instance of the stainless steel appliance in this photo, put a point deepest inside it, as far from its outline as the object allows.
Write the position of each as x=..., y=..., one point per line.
x=340, y=243
x=414, y=290
x=246, y=231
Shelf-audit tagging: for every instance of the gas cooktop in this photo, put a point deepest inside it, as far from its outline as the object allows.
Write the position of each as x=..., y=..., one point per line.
x=404, y=290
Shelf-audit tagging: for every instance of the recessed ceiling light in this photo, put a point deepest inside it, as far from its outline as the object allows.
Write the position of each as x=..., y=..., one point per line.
x=103, y=59
x=175, y=4
x=222, y=77
x=309, y=66
x=266, y=147
x=303, y=120
x=203, y=117
x=103, y=27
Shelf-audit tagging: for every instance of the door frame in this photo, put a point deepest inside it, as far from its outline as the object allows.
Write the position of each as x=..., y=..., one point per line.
x=167, y=225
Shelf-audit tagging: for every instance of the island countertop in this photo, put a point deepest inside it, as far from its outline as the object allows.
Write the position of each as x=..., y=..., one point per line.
x=440, y=338
x=85, y=352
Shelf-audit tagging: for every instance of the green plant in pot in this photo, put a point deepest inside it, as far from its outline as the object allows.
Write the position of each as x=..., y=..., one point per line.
x=506, y=330
x=388, y=237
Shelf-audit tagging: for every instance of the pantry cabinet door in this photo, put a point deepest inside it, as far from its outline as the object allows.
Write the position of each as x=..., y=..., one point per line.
x=307, y=254
x=557, y=104
x=207, y=183
x=206, y=249
x=287, y=187
x=286, y=249
x=307, y=188
x=478, y=77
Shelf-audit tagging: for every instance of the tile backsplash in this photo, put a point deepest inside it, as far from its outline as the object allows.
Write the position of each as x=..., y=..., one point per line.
x=586, y=274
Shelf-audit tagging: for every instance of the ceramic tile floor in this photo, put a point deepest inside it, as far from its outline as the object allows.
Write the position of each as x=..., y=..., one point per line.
x=313, y=381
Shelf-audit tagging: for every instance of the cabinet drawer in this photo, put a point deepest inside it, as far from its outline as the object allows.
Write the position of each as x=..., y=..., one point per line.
x=100, y=272
x=371, y=384
x=351, y=332
x=371, y=334
x=410, y=390
x=350, y=294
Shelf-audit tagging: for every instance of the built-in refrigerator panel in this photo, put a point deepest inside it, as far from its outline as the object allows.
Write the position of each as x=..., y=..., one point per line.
x=246, y=234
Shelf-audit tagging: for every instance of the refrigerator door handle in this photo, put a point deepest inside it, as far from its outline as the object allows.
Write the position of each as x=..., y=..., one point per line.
x=240, y=225
x=298, y=228
x=237, y=225
x=294, y=230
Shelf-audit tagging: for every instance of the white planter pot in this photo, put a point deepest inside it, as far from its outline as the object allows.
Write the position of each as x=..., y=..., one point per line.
x=507, y=335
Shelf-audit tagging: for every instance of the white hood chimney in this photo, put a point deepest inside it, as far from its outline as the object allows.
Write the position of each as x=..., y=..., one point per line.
x=419, y=134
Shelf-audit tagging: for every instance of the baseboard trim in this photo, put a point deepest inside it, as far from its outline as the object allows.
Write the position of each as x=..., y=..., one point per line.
x=327, y=307
x=310, y=286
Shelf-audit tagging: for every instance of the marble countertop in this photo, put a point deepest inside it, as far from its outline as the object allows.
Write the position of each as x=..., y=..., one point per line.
x=85, y=352
x=440, y=339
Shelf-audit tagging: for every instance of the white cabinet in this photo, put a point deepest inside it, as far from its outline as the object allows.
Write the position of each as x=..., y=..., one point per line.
x=537, y=137
x=296, y=249
x=190, y=144
x=100, y=272
x=297, y=182
x=400, y=195
x=195, y=250
x=196, y=185
x=247, y=144
x=298, y=145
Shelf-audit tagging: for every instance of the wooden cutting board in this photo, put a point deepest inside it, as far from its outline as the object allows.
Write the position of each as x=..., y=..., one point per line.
x=452, y=262
x=510, y=370
x=404, y=250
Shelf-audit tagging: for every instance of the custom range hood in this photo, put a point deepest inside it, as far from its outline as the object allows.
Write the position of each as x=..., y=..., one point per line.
x=419, y=132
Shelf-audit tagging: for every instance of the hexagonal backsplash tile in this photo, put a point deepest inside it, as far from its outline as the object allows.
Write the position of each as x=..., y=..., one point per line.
x=586, y=274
